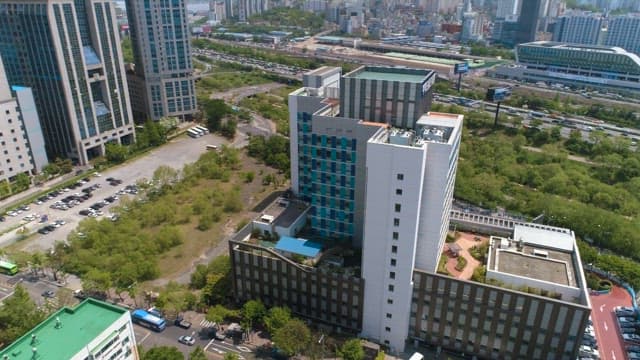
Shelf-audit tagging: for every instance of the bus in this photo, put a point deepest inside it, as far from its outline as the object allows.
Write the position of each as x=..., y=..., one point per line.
x=199, y=131
x=192, y=133
x=144, y=318
x=8, y=268
x=202, y=128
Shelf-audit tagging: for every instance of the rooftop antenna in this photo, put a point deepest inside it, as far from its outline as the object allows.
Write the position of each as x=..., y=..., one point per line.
x=520, y=244
x=58, y=322
x=33, y=339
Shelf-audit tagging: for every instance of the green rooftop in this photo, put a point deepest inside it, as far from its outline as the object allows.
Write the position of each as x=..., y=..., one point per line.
x=78, y=326
x=390, y=74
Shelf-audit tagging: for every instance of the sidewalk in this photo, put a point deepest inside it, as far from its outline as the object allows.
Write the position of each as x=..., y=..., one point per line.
x=7, y=203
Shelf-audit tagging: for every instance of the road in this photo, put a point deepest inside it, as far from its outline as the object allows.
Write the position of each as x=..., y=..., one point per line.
x=176, y=154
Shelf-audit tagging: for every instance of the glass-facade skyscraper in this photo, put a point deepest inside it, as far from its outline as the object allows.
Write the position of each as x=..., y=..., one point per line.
x=163, y=81
x=68, y=52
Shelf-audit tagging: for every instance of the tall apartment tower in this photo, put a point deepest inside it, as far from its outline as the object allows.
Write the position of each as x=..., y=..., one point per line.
x=624, y=32
x=162, y=53
x=76, y=72
x=507, y=8
x=529, y=20
x=21, y=140
x=578, y=28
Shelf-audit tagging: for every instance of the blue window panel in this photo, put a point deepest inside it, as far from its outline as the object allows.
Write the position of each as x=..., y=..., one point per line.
x=332, y=214
x=341, y=227
x=352, y=194
x=342, y=181
x=333, y=142
x=333, y=191
x=333, y=167
x=353, y=144
x=353, y=170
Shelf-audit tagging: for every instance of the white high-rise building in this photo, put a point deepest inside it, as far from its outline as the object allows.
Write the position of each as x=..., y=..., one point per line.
x=21, y=142
x=408, y=200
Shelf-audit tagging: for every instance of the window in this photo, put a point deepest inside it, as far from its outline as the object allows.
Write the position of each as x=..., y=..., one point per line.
x=395, y=235
x=391, y=288
x=390, y=301
x=400, y=177
x=398, y=191
x=394, y=249
x=398, y=207
x=393, y=262
x=387, y=329
x=389, y=316
x=396, y=222
x=392, y=275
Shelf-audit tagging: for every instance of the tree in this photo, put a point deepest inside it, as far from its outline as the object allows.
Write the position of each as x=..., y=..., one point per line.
x=231, y=356
x=18, y=315
x=214, y=111
x=22, y=181
x=253, y=311
x=293, y=337
x=277, y=318
x=351, y=350
x=219, y=313
x=162, y=353
x=115, y=152
x=96, y=280
x=197, y=354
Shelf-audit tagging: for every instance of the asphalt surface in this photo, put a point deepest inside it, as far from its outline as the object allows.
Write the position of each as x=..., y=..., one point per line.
x=610, y=344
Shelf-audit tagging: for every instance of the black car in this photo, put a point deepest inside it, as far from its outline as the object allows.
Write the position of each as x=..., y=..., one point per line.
x=181, y=322
x=50, y=228
x=44, y=231
x=84, y=212
x=110, y=179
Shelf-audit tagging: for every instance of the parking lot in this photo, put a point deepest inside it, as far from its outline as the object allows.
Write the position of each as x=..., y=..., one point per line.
x=611, y=346
x=215, y=349
x=177, y=153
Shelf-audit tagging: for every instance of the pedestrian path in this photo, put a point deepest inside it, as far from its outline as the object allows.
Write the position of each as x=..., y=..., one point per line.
x=207, y=324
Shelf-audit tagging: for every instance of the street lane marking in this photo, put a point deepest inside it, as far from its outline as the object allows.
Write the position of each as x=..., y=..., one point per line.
x=613, y=355
x=208, y=344
x=606, y=328
x=243, y=349
x=602, y=307
x=144, y=338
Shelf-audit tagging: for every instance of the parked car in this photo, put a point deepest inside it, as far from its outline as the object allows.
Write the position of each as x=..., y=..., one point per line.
x=631, y=337
x=181, y=322
x=48, y=294
x=187, y=340
x=627, y=319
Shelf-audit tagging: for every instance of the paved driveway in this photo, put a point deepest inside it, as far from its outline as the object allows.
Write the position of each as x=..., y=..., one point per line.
x=610, y=343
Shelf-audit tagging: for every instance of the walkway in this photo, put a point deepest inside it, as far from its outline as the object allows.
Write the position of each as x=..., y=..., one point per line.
x=610, y=343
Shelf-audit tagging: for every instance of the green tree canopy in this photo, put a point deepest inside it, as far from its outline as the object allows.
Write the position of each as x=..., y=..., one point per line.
x=277, y=318
x=198, y=354
x=351, y=350
x=18, y=315
x=293, y=337
x=162, y=353
x=253, y=311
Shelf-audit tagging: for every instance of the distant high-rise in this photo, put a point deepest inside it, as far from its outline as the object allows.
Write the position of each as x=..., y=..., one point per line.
x=528, y=21
x=68, y=52
x=248, y=8
x=162, y=54
x=578, y=28
x=624, y=32
x=507, y=8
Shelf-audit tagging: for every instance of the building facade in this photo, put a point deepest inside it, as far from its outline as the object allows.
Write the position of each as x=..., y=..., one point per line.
x=575, y=65
x=624, y=32
x=507, y=8
x=162, y=53
x=76, y=72
x=393, y=96
x=91, y=330
x=528, y=24
x=384, y=286
x=21, y=141
x=578, y=28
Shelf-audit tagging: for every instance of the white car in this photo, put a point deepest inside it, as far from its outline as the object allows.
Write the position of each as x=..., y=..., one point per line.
x=187, y=340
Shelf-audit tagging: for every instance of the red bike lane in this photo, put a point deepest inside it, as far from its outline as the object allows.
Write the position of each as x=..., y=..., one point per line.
x=610, y=344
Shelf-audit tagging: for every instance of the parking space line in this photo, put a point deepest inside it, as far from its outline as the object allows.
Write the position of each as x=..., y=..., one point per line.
x=208, y=344
x=144, y=338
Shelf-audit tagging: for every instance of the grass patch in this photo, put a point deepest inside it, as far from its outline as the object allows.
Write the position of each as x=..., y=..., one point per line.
x=461, y=263
x=273, y=106
x=442, y=264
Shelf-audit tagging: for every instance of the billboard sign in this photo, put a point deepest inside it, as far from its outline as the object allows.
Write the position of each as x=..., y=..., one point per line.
x=461, y=68
x=498, y=94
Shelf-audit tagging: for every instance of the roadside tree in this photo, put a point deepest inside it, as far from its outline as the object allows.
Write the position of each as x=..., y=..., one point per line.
x=293, y=337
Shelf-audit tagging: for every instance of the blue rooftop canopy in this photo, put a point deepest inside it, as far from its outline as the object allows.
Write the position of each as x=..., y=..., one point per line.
x=298, y=246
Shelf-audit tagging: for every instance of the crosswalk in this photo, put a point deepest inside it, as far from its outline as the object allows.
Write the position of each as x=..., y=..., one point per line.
x=207, y=324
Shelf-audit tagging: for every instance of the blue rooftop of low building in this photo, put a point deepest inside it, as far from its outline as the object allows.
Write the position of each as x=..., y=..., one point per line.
x=299, y=246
